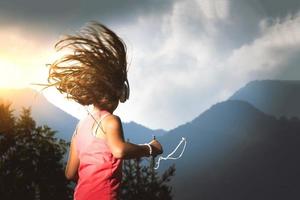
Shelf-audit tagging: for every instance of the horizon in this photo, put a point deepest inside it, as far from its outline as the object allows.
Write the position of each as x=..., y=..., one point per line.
x=81, y=111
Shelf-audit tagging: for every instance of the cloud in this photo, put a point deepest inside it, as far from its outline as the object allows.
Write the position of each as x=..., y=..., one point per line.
x=23, y=56
x=185, y=69
x=270, y=52
x=61, y=15
x=184, y=55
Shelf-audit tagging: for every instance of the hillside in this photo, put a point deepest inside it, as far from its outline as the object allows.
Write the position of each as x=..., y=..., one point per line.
x=42, y=111
x=275, y=97
x=235, y=152
x=140, y=134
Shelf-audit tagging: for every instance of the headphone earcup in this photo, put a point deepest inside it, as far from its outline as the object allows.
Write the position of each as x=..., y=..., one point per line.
x=125, y=92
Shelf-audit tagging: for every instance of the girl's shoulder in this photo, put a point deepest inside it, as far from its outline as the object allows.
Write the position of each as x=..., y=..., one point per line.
x=112, y=121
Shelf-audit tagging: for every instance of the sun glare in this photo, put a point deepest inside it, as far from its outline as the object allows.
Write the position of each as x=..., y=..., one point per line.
x=10, y=74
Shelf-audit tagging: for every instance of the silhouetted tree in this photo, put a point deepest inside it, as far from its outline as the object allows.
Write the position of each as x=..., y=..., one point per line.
x=31, y=164
x=7, y=125
x=7, y=120
x=143, y=182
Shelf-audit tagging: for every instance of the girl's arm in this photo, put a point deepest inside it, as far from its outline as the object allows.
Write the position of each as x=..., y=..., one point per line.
x=73, y=162
x=119, y=147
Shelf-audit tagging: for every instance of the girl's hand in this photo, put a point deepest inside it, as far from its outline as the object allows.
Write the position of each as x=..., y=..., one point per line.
x=156, y=147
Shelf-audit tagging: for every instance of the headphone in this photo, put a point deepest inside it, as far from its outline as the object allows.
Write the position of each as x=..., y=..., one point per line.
x=125, y=92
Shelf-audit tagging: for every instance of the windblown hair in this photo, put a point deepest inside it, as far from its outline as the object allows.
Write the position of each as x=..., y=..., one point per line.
x=95, y=70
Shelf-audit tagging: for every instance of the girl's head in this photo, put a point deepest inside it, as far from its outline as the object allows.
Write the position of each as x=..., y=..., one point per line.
x=95, y=72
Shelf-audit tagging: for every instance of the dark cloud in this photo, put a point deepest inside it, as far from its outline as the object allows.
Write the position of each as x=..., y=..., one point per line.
x=57, y=13
x=273, y=8
x=244, y=25
x=291, y=69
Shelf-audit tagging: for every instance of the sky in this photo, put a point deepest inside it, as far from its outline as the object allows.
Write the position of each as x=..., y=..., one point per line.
x=184, y=55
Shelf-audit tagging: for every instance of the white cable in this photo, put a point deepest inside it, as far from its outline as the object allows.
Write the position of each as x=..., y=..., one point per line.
x=168, y=157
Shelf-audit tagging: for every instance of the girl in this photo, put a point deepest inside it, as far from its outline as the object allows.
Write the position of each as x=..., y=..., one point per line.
x=95, y=72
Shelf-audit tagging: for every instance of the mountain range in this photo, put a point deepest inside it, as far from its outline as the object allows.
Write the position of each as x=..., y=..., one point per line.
x=236, y=150
x=243, y=148
x=278, y=98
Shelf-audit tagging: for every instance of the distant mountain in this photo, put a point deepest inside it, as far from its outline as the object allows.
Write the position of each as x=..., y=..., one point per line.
x=275, y=97
x=235, y=152
x=43, y=112
x=46, y=113
x=139, y=134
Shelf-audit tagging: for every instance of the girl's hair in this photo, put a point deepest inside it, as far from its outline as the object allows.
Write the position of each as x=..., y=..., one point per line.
x=96, y=69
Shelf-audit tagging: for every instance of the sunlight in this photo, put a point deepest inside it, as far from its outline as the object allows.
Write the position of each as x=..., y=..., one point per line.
x=60, y=101
x=23, y=56
x=10, y=76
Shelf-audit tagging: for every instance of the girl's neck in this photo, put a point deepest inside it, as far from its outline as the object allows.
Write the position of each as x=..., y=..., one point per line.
x=100, y=111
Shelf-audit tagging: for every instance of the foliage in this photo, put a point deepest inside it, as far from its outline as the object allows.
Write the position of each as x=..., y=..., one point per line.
x=7, y=120
x=143, y=182
x=31, y=164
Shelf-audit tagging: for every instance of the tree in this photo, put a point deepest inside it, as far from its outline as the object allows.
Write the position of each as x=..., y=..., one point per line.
x=143, y=182
x=7, y=124
x=7, y=120
x=31, y=165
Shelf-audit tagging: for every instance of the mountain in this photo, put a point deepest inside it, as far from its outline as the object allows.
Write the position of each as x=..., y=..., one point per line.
x=46, y=113
x=235, y=151
x=139, y=134
x=275, y=97
x=43, y=112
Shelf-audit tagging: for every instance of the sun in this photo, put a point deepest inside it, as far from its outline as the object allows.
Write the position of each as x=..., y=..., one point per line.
x=22, y=71
x=10, y=74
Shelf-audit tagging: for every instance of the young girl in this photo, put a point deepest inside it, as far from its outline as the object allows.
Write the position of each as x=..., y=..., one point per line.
x=95, y=72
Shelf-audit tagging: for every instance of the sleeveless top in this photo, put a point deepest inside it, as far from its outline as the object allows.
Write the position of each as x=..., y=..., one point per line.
x=99, y=172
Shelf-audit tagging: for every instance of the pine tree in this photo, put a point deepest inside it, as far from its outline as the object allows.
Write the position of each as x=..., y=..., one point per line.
x=7, y=127
x=142, y=182
x=31, y=164
x=7, y=120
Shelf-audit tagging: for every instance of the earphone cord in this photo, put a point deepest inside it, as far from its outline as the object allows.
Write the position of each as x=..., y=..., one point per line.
x=98, y=123
x=169, y=157
x=91, y=115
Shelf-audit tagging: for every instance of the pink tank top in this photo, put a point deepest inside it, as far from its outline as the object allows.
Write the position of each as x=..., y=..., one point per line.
x=99, y=172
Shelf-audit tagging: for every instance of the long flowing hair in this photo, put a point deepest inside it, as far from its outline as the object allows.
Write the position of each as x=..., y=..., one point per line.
x=95, y=70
